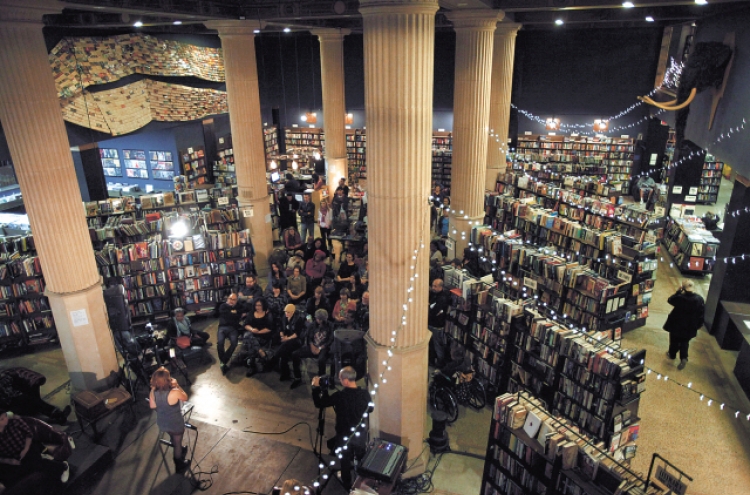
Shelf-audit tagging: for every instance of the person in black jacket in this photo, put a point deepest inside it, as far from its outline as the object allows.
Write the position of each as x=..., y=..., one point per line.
x=307, y=218
x=318, y=340
x=438, y=309
x=230, y=315
x=350, y=405
x=288, y=207
x=684, y=321
x=291, y=334
x=292, y=184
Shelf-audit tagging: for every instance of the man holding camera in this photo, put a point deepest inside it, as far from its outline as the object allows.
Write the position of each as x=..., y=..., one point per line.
x=684, y=321
x=349, y=404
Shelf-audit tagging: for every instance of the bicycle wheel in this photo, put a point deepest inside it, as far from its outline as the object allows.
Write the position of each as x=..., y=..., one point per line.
x=443, y=399
x=477, y=394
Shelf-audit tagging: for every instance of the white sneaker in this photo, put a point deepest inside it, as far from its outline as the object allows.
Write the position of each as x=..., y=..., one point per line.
x=71, y=442
x=66, y=474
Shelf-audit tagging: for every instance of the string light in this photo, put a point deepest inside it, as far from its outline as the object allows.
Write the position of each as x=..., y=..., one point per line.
x=362, y=424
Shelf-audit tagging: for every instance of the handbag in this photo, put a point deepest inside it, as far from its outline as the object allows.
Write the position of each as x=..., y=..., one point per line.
x=183, y=342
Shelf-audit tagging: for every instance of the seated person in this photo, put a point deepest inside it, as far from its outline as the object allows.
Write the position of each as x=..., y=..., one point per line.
x=355, y=288
x=250, y=291
x=179, y=326
x=277, y=300
x=317, y=301
x=362, y=315
x=435, y=253
x=343, y=310
x=459, y=362
x=364, y=273
x=292, y=332
x=316, y=268
x=292, y=239
x=21, y=455
x=711, y=221
x=19, y=392
x=314, y=246
x=345, y=276
x=278, y=274
x=296, y=286
x=259, y=334
x=297, y=260
x=279, y=257
x=318, y=340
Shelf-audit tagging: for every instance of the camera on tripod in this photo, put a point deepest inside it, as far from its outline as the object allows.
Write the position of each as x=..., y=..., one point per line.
x=325, y=381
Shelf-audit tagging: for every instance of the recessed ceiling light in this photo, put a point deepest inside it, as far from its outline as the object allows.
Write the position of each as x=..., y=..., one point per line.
x=649, y=18
x=177, y=23
x=287, y=30
x=701, y=2
x=559, y=22
x=137, y=24
x=256, y=31
x=628, y=5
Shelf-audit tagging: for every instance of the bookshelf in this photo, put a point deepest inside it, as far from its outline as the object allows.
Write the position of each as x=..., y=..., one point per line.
x=25, y=314
x=708, y=189
x=110, y=162
x=194, y=167
x=692, y=248
x=356, y=154
x=134, y=162
x=225, y=173
x=162, y=165
x=442, y=156
x=304, y=137
x=270, y=141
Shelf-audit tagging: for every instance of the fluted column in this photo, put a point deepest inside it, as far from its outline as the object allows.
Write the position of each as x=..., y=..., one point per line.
x=399, y=65
x=243, y=100
x=471, y=112
x=33, y=124
x=503, y=55
x=334, y=103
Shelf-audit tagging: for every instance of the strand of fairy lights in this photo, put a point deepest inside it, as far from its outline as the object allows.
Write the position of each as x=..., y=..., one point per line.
x=362, y=424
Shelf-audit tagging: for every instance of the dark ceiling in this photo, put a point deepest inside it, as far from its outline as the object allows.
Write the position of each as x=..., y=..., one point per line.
x=161, y=15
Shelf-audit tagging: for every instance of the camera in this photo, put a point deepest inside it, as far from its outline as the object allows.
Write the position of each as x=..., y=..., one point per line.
x=325, y=381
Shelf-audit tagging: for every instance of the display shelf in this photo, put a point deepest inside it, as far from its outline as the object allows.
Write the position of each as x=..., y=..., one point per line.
x=356, y=154
x=194, y=167
x=708, y=189
x=225, y=173
x=442, y=159
x=691, y=246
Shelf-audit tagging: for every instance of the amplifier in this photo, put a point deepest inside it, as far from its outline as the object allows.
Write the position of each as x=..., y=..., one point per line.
x=383, y=461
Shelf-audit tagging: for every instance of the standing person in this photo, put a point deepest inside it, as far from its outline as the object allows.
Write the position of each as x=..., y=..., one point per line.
x=344, y=189
x=319, y=339
x=292, y=331
x=350, y=404
x=230, y=315
x=437, y=204
x=166, y=397
x=179, y=326
x=292, y=184
x=684, y=321
x=325, y=221
x=438, y=309
x=307, y=218
x=288, y=207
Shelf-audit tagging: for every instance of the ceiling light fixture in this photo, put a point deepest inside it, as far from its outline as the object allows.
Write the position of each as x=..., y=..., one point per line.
x=256, y=31
x=559, y=22
x=177, y=23
x=701, y=2
x=287, y=30
x=649, y=18
x=628, y=5
x=137, y=24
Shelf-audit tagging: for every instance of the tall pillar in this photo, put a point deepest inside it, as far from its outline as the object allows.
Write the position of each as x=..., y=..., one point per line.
x=471, y=112
x=399, y=38
x=503, y=54
x=243, y=100
x=33, y=124
x=334, y=103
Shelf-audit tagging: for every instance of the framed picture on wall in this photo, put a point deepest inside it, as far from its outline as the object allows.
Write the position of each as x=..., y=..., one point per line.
x=110, y=162
x=162, y=166
x=135, y=164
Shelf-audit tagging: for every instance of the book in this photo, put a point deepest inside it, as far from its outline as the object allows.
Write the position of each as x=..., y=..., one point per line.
x=532, y=424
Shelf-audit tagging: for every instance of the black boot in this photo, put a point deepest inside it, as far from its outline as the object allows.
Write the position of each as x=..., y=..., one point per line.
x=180, y=464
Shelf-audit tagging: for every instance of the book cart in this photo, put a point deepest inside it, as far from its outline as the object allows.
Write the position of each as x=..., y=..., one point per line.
x=691, y=246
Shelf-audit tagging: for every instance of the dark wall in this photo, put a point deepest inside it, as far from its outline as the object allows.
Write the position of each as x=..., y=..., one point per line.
x=735, y=106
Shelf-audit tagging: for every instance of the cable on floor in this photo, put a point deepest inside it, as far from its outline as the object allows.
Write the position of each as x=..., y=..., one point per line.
x=204, y=484
x=421, y=483
x=309, y=432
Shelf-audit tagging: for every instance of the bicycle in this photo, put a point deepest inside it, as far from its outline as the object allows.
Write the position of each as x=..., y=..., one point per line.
x=445, y=394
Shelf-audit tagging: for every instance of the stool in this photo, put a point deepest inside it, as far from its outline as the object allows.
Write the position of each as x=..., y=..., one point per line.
x=165, y=442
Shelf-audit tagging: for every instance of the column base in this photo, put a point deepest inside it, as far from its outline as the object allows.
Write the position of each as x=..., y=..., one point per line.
x=462, y=225
x=87, y=342
x=261, y=230
x=402, y=400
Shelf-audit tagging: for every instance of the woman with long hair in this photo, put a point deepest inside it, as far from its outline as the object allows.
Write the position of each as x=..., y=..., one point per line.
x=166, y=397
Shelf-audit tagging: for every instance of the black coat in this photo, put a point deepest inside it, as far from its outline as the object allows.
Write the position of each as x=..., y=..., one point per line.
x=686, y=316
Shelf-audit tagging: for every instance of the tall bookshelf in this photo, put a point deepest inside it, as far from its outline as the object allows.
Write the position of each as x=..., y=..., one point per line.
x=442, y=158
x=194, y=167
x=25, y=314
x=225, y=173
x=356, y=154
x=305, y=137
x=708, y=189
x=270, y=141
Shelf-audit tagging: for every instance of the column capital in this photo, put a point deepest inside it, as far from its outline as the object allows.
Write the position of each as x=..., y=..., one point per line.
x=330, y=34
x=475, y=19
x=25, y=11
x=235, y=28
x=507, y=28
x=372, y=7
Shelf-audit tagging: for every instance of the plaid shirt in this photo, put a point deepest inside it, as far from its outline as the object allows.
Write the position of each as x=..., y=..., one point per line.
x=13, y=439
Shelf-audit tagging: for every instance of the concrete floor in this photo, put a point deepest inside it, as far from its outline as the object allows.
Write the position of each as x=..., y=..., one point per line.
x=256, y=432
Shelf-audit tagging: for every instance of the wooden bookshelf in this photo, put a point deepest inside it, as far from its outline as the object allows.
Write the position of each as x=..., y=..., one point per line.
x=708, y=189
x=442, y=156
x=225, y=173
x=304, y=137
x=356, y=154
x=270, y=141
x=194, y=167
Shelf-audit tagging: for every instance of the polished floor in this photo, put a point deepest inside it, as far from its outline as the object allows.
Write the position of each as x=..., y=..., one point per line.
x=253, y=433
